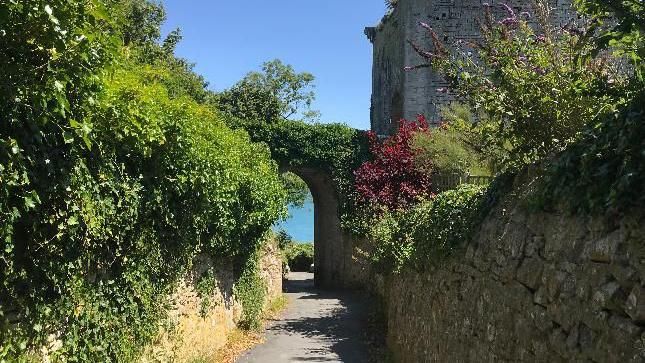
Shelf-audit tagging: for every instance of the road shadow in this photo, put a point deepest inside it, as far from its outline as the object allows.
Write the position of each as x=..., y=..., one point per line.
x=343, y=329
x=293, y=286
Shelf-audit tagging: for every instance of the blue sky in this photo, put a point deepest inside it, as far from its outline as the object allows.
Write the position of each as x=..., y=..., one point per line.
x=227, y=39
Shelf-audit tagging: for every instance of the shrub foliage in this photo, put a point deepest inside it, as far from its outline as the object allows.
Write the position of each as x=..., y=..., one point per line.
x=419, y=236
x=392, y=179
x=540, y=85
x=111, y=181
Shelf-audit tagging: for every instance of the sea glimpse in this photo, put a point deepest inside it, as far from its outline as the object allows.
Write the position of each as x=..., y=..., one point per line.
x=300, y=223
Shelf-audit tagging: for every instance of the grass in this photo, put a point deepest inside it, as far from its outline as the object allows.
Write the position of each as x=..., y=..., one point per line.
x=239, y=341
x=275, y=308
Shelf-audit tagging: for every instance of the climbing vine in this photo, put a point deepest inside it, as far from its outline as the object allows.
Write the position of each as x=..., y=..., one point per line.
x=112, y=180
x=333, y=148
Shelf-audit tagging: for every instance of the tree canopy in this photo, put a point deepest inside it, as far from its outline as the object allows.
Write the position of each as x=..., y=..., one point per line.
x=276, y=92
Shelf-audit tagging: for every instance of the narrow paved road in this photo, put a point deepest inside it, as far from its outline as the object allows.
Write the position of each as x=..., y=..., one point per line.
x=318, y=326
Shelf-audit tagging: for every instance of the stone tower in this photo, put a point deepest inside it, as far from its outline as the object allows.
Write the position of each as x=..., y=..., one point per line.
x=399, y=94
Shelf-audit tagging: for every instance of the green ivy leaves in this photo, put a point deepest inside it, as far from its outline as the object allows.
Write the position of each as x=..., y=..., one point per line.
x=112, y=179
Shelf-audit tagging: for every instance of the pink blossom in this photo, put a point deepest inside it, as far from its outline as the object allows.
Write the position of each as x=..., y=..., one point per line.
x=425, y=26
x=509, y=10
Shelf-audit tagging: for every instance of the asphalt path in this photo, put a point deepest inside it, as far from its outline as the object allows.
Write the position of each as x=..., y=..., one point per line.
x=318, y=326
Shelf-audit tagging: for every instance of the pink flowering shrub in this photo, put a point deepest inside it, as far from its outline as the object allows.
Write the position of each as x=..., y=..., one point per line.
x=538, y=84
x=391, y=180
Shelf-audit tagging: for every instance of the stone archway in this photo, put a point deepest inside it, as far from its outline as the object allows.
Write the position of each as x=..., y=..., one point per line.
x=334, y=259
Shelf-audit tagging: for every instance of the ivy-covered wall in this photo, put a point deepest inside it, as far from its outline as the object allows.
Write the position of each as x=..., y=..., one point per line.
x=114, y=177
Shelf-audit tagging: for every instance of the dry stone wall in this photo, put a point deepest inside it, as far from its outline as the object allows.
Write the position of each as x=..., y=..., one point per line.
x=531, y=287
x=397, y=93
x=195, y=333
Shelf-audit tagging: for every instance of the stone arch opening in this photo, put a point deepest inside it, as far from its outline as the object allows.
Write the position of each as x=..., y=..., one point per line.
x=329, y=258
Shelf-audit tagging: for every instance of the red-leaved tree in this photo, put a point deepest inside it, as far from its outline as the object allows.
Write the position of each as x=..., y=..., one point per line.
x=391, y=179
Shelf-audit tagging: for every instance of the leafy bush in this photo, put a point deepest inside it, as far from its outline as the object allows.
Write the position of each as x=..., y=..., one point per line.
x=604, y=171
x=453, y=148
x=541, y=85
x=431, y=230
x=391, y=179
x=299, y=256
x=250, y=290
x=110, y=184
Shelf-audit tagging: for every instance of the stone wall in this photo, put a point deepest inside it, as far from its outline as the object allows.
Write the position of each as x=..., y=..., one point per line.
x=397, y=93
x=338, y=263
x=195, y=333
x=531, y=287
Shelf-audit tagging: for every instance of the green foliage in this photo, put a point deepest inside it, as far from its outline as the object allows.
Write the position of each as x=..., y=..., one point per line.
x=205, y=288
x=476, y=132
x=541, y=85
x=140, y=21
x=444, y=151
x=299, y=256
x=332, y=148
x=250, y=291
x=276, y=93
x=604, y=171
x=297, y=189
x=419, y=236
x=249, y=102
x=619, y=25
x=112, y=180
x=283, y=239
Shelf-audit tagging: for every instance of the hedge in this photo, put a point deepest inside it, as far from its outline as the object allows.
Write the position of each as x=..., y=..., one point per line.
x=109, y=187
x=419, y=236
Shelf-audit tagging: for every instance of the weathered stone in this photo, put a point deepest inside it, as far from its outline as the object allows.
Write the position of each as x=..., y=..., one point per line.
x=635, y=304
x=625, y=275
x=336, y=255
x=567, y=266
x=397, y=93
x=572, y=339
x=568, y=287
x=534, y=245
x=530, y=273
x=196, y=331
x=470, y=252
x=567, y=308
x=624, y=324
x=604, y=296
x=586, y=338
x=557, y=342
x=540, y=318
x=540, y=297
x=554, y=282
x=602, y=249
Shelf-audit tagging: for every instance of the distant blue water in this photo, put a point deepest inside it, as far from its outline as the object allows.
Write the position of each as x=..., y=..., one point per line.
x=300, y=224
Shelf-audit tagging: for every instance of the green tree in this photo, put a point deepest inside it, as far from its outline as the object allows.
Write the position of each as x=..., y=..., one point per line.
x=277, y=92
x=140, y=21
x=249, y=103
x=297, y=189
